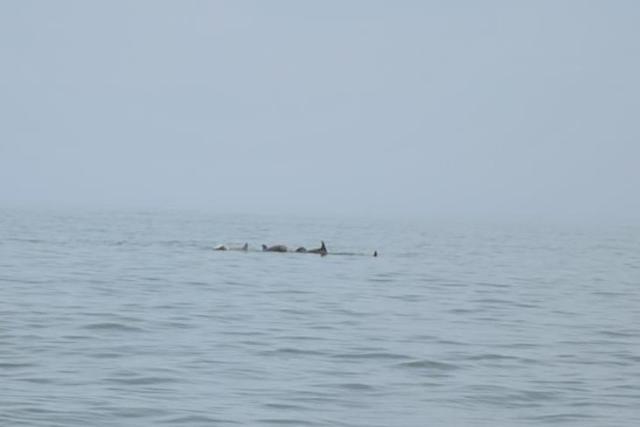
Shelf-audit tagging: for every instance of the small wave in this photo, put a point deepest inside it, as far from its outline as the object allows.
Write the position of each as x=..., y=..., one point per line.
x=23, y=240
x=197, y=419
x=293, y=351
x=200, y=283
x=302, y=338
x=107, y=355
x=619, y=333
x=492, y=356
x=558, y=418
x=451, y=342
x=288, y=292
x=143, y=380
x=355, y=386
x=372, y=355
x=351, y=313
x=518, y=345
x=537, y=396
x=429, y=365
x=408, y=297
x=37, y=380
x=492, y=301
x=293, y=311
x=608, y=294
x=286, y=407
x=286, y=421
x=74, y=338
x=112, y=326
x=493, y=285
x=139, y=412
x=381, y=280
x=9, y=365
x=177, y=325
x=631, y=357
x=462, y=310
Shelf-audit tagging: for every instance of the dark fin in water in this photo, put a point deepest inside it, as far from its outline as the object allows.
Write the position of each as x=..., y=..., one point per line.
x=322, y=250
x=245, y=247
x=375, y=253
x=264, y=247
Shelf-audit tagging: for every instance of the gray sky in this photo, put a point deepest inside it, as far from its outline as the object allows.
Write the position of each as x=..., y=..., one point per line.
x=494, y=108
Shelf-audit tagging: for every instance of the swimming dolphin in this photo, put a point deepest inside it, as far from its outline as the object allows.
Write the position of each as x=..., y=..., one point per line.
x=301, y=249
x=274, y=248
x=244, y=247
x=322, y=250
x=375, y=253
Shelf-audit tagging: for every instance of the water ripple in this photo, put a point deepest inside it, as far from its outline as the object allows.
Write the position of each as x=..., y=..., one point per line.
x=112, y=320
x=429, y=365
x=112, y=327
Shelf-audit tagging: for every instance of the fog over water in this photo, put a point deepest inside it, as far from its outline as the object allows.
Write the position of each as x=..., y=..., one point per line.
x=493, y=109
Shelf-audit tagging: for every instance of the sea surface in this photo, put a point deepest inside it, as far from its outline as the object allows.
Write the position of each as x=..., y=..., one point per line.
x=114, y=318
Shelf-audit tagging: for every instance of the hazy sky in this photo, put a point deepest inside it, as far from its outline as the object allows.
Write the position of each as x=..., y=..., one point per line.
x=464, y=108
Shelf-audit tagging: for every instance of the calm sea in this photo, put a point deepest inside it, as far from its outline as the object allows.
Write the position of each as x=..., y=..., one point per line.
x=131, y=319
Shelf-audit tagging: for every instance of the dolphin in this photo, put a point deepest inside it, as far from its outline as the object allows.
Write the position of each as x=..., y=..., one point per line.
x=375, y=253
x=274, y=248
x=322, y=250
x=244, y=247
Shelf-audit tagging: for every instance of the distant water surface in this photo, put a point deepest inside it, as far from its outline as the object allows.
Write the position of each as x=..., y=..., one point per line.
x=114, y=318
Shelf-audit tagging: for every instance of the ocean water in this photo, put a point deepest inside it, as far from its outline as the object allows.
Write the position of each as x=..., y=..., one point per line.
x=131, y=319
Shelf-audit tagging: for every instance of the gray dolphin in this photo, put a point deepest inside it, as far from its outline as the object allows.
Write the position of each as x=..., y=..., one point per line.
x=274, y=248
x=322, y=250
x=244, y=247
